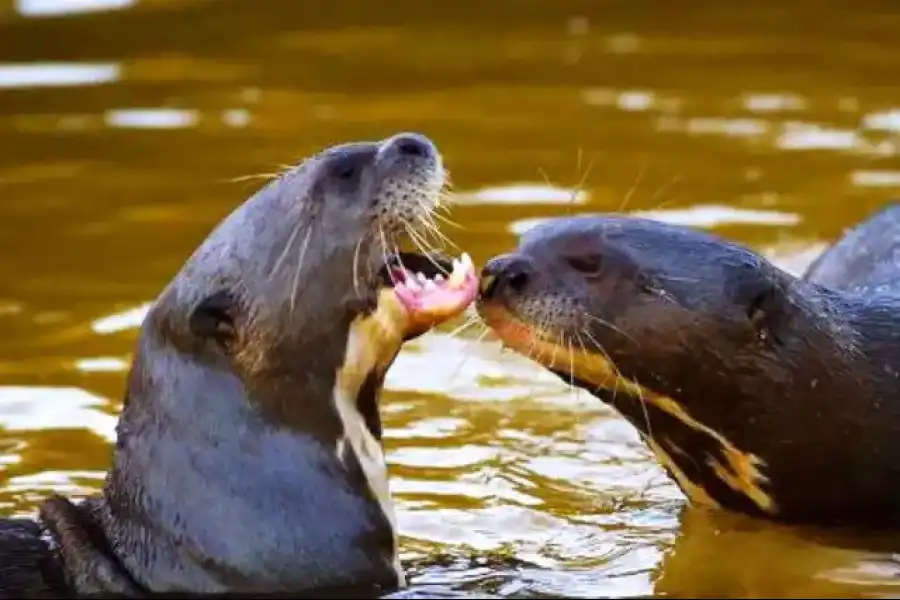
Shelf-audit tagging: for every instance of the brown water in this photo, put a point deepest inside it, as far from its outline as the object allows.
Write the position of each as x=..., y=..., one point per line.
x=122, y=131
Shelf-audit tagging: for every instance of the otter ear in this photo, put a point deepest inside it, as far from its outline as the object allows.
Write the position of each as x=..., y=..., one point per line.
x=761, y=305
x=213, y=317
x=765, y=311
x=759, y=297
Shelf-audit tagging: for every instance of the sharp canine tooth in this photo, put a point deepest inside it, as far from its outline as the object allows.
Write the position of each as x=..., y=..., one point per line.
x=458, y=276
x=421, y=278
x=430, y=285
x=466, y=261
x=439, y=278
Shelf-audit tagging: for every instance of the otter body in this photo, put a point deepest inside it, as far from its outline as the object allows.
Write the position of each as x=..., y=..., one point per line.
x=757, y=391
x=248, y=457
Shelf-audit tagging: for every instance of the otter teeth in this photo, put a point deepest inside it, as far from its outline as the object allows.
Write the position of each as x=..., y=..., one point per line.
x=418, y=282
x=461, y=267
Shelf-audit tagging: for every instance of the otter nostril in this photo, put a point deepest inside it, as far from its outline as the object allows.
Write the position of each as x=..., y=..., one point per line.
x=412, y=145
x=412, y=148
x=517, y=280
x=504, y=272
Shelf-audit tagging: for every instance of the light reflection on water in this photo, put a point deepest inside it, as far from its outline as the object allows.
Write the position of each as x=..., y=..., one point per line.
x=48, y=8
x=56, y=75
x=125, y=124
x=695, y=216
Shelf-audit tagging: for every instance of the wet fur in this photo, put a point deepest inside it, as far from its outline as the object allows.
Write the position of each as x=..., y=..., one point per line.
x=229, y=474
x=801, y=373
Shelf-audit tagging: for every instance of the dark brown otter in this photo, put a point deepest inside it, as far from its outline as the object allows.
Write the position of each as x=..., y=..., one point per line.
x=248, y=458
x=758, y=391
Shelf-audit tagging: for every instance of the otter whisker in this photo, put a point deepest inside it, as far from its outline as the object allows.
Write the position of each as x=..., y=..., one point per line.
x=579, y=187
x=643, y=402
x=416, y=236
x=545, y=177
x=571, y=364
x=617, y=378
x=265, y=176
x=470, y=320
x=609, y=325
x=384, y=253
x=355, y=270
x=544, y=326
x=663, y=188
x=477, y=340
x=396, y=250
x=423, y=247
x=432, y=227
x=442, y=212
x=295, y=231
x=295, y=286
x=630, y=193
x=448, y=221
x=529, y=353
x=558, y=346
x=428, y=232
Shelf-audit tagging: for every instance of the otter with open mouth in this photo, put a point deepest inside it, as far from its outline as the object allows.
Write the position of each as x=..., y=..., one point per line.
x=248, y=457
x=757, y=391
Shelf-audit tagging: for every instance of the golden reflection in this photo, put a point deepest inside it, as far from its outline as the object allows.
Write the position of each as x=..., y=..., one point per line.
x=125, y=139
x=717, y=555
x=56, y=74
x=52, y=8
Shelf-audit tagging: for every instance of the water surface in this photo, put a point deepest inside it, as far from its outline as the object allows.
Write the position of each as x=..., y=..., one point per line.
x=125, y=126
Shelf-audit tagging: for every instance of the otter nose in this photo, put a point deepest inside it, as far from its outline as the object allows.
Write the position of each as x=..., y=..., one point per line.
x=508, y=272
x=411, y=145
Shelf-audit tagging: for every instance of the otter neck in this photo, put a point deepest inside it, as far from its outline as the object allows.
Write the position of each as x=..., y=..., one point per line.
x=774, y=446
x=225, y=499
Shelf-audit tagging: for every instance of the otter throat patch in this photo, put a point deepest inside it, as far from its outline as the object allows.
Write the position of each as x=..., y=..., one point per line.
x=740, y=471
x=372, y=344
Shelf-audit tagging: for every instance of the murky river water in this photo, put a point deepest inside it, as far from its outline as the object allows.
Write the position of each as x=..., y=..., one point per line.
x=123, y=128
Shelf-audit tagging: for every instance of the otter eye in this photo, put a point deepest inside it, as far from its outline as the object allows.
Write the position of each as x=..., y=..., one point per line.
x=346, y=171
x=212, y=318
x=345, y=168
x=588, y=265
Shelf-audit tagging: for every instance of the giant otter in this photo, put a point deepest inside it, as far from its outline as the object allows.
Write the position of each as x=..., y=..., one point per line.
x=757, y=391
x=248, y=458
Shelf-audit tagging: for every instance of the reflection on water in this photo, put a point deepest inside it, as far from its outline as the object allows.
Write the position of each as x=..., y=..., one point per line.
x=521, y=194
x=151, y=118
x=130, y=128
x=693, y=216
x=48, y=8
x=56, y=75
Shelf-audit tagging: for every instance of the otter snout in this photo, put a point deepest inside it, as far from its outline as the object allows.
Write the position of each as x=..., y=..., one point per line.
x=405, y=146
x=504, y=275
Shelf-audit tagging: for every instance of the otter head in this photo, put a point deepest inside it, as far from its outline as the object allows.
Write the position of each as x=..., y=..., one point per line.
x=303, y=289
x=707, y=348
x=255, y=384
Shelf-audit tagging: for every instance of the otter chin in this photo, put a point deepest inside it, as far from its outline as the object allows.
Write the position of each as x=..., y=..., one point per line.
x=757, y=391
x=248, y=457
